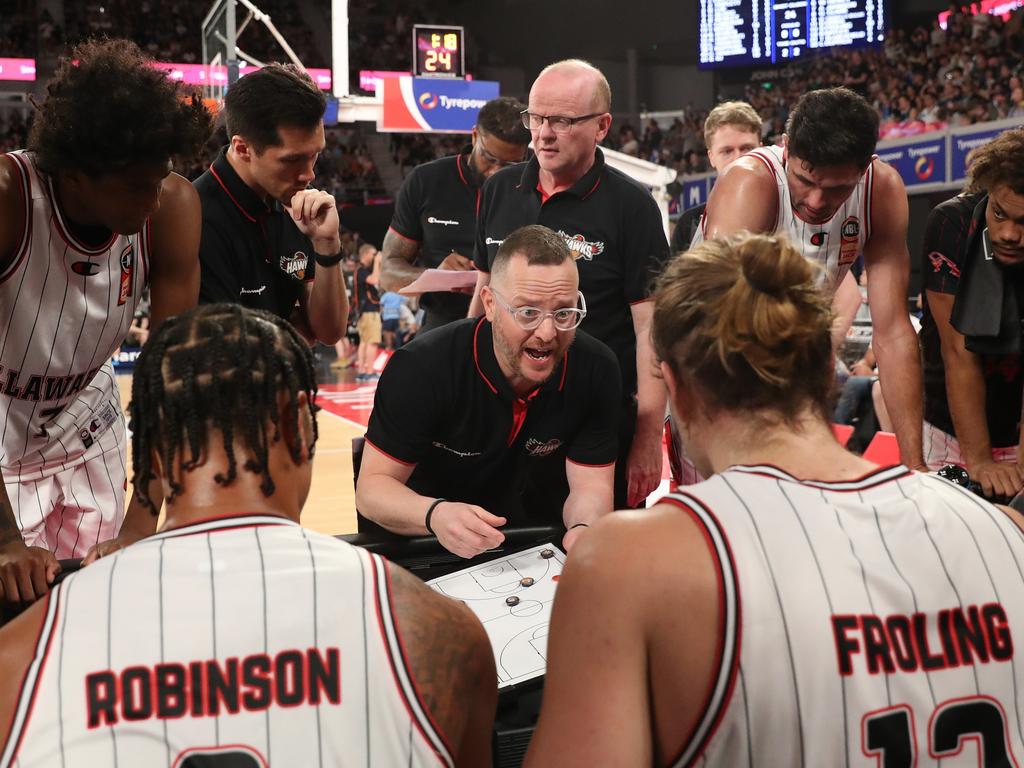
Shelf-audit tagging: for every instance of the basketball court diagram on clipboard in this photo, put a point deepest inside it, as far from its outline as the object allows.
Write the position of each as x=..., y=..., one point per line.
x=512, y=597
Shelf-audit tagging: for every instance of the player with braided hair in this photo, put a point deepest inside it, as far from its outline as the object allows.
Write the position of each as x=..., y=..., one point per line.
x=90, y=215
x=233, y=635
x=224, y=368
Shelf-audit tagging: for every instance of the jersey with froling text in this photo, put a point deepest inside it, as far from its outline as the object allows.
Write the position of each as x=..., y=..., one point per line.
x=864, y=623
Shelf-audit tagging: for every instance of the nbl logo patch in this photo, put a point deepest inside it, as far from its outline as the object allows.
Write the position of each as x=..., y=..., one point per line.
x=850, y=246
x=127, y=274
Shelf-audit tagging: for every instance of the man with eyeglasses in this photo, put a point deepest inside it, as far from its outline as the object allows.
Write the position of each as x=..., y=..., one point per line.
x=435, y=214
x=510, y=418
x=615, y=232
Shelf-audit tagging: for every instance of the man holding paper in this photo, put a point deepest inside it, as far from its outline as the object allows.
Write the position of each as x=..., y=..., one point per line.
x=435, y=214
x=508, y=418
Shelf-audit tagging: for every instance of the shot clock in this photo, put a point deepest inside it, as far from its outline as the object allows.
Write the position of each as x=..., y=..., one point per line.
x=437, y=51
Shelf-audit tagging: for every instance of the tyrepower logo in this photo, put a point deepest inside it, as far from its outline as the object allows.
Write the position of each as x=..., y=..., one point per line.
x=581, y=247
x=428, y=100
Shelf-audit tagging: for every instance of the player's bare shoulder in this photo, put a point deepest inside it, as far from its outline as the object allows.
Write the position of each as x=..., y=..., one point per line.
x=889, y=208
x=178, y=198
x=12, y=209
x=745, y=196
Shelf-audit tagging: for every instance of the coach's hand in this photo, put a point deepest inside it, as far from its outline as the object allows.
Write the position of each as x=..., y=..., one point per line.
x=26, y=573
x=466, y=529
x=110, y=546
x=316, y=215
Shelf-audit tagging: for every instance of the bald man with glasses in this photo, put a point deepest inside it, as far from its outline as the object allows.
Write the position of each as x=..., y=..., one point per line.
x=435, y=213
x=614, y=229
x=506, y=419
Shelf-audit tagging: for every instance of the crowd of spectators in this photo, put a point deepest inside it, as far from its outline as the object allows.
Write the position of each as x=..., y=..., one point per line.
x=172, y=32
x=17, y=29
x=920, y=80
x=411, y=149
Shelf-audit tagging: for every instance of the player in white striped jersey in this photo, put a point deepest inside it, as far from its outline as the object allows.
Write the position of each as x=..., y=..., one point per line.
x=89, y=215
x=802, y=607
x=827, y=192
x=234, y=636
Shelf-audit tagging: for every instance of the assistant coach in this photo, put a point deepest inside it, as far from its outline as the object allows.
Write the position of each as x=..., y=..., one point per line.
x=511, y=417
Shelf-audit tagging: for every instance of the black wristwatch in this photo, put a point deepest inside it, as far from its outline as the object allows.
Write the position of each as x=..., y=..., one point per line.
x=328, y=261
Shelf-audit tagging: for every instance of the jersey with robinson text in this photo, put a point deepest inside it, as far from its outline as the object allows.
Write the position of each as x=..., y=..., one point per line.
x=66, y=308
x=246, y=637
x=864, y=623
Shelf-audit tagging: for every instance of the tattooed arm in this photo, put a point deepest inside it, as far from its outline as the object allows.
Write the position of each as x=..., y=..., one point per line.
x=397, y=265
x=25, y=572
x=452, y=664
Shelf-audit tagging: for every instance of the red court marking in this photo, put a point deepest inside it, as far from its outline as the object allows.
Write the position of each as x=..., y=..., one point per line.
x=883, y=449
x=842, y=433
x=351, y=402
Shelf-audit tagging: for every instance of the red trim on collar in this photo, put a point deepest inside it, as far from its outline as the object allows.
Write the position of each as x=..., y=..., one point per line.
x=544, y=196
x=593, y=189
x=519, y=408
x=458, y=166
x=228, y=192
x=476, y=355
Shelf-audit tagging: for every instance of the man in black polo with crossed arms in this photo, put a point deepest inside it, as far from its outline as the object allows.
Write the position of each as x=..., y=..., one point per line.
x=510, y=417
x=435, y=214
x=269, y=241
x=615, y=232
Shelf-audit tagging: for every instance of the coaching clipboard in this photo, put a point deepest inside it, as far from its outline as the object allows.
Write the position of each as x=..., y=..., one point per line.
x=512, y=597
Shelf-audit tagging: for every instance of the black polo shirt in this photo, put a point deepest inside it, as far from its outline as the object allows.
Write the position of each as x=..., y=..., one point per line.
x=366, y=298
x=953, y=228
x=614, y=229
x=686, y=228
x=444, y=405
x=436, y=208
x=251, y=253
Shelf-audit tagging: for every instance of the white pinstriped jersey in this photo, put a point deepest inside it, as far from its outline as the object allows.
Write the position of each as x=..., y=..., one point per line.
x=65, y=308
x=247, y=635
x=865, y=623
x=835, y=244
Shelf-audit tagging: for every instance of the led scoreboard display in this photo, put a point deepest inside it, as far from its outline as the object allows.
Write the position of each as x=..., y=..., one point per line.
x=437, y=51
x=759, y=32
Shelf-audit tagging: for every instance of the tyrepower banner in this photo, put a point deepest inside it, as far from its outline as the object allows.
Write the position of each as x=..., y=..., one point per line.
x=424, y=104
x=921, y=161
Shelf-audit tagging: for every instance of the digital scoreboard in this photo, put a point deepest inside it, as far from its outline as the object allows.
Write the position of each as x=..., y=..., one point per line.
x=438, y=51
x=765, y=32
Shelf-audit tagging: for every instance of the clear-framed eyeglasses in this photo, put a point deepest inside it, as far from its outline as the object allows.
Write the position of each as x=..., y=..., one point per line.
x=530, y=318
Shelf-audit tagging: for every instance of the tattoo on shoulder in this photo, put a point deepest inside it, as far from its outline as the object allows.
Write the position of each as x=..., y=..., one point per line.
x=438, y=636
x=397, y=247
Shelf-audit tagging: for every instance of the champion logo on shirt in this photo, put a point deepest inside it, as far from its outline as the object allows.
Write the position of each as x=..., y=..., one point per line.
x=581, y=247
x=493, y=241
x=442, y=222
x=460, y=454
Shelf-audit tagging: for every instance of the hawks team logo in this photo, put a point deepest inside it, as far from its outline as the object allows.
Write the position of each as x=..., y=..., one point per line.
x=127, y=274
x=85, y=268
x=535, y=447
x=295, y=264
x=581, y=247
x=850, y=246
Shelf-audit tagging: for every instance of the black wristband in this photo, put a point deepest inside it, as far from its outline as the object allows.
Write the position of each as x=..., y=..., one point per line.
x=430, y=512
x=328, y=261
x=579, y=525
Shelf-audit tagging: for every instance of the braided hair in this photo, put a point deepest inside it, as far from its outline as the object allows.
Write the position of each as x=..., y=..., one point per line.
x=223, y=367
